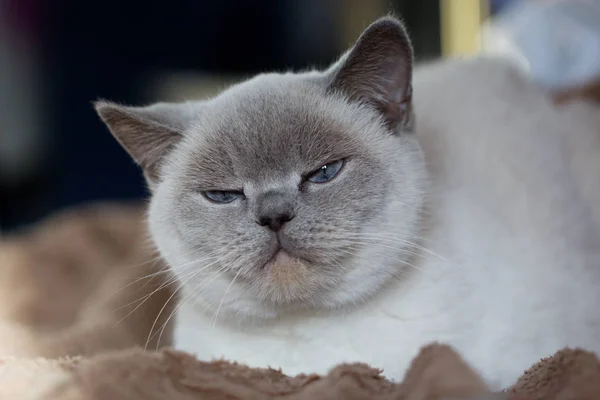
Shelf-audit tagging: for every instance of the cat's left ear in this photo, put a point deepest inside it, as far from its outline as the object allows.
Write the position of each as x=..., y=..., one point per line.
x=378, y=71
x=148, y=133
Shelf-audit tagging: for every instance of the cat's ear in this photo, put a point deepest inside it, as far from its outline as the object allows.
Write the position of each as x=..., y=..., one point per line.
x=147, y=133
x=378, y=71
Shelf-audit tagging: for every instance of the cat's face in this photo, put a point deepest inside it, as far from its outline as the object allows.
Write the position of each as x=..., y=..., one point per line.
x=288, y=190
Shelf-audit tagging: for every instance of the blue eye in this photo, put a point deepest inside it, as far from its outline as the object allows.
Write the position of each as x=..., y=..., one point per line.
x=327, y=172
x=223, y=196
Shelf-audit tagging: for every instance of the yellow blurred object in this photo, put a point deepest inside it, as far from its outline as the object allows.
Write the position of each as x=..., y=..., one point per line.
x=460, y=25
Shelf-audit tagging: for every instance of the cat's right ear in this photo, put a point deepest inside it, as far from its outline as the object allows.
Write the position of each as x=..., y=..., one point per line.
x=149, y=133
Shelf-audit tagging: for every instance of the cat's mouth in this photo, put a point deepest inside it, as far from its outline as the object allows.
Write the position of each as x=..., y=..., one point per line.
x=282, y=258
x=286, y=270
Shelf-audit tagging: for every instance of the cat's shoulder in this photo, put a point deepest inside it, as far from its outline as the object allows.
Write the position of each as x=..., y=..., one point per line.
x=471, y=76
x=491, y=86
x=478, y=66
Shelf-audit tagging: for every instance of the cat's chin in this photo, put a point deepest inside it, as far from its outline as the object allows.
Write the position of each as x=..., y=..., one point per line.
x=286, y=271
x=284, y=262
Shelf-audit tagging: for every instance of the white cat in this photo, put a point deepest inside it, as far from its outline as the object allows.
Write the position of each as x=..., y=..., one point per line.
x=312, y=220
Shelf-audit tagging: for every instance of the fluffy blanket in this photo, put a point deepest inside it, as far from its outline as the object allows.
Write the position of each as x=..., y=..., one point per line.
x=81, y=296
x=436, y=373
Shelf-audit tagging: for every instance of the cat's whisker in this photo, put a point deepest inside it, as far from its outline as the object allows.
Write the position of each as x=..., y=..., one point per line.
x=405, y=248
x=154, y=259
x=216, y=315
x=193, y=294
x=402, y=241
x=354, y=254
x=148, y=276
x=401, y=272
x=402, y=249
x=147, y=295
x=166, y=269
x=163, y=270
x=150, y=336
x=425, y=250
x=162, y=255
x=405, y=262
x=143, y=299
x=168, y=282
x=334, y=262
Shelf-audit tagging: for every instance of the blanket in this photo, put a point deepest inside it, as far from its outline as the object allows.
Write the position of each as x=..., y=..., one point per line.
x=85, y=280
x=84, y=299
x=436, y=373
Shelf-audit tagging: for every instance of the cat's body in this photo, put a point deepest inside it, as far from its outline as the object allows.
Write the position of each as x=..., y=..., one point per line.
x=486, y=240
x=501, y=278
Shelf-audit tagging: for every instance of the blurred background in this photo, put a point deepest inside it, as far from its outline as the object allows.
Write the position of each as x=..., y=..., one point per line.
x=57, y=56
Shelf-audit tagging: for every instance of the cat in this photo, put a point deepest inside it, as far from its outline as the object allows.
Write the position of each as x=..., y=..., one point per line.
x=332, y=216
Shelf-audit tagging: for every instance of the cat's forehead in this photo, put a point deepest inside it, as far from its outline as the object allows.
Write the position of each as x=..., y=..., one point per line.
x=276, y=124
x=276, y=105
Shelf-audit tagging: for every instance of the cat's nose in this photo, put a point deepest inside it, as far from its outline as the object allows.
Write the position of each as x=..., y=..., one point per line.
x=275, y=221
x=274, y=209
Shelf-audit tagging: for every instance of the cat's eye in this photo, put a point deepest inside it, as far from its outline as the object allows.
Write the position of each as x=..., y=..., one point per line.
x=327, y=172
x=223, y=196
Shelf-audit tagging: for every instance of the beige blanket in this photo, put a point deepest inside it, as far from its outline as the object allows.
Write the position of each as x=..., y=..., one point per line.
x=81, y=290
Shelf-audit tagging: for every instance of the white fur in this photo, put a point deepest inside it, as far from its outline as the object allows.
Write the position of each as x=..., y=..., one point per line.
x=510, y=273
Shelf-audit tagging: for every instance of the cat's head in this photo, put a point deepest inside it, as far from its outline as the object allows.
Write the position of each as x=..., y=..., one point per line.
x=287, y=190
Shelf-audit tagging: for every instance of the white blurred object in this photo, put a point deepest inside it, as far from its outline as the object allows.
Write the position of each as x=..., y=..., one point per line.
x=558, y=41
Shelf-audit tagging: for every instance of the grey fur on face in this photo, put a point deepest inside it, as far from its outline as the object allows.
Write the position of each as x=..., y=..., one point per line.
x=255, y=147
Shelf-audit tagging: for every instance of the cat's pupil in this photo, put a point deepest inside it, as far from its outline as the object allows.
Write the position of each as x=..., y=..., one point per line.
x=218, y=196
x=326, y=172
